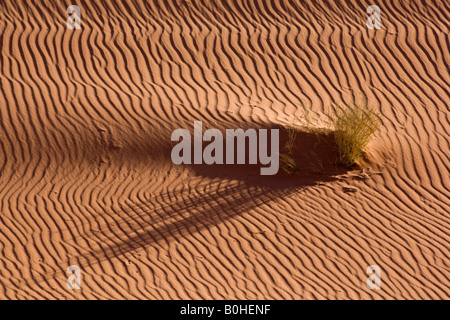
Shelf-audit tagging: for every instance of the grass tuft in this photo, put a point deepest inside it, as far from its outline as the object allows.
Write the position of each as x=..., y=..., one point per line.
x=353, y=127
x=287, y=161
x=288, y=164
x=290, y=143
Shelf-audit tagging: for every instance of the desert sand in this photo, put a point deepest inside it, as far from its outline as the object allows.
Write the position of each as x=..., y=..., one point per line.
x=86, y=176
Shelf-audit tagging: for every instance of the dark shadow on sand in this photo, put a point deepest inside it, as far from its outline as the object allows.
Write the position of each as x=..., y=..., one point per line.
x=219, y=193
x=216, y=194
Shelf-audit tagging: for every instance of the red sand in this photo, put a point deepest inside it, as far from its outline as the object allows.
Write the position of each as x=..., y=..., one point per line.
x=86, y=117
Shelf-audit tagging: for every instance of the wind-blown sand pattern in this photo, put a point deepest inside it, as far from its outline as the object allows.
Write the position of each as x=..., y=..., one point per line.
x=86, y=177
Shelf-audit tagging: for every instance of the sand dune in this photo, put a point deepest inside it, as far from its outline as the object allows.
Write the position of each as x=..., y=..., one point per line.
x=86, y=177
